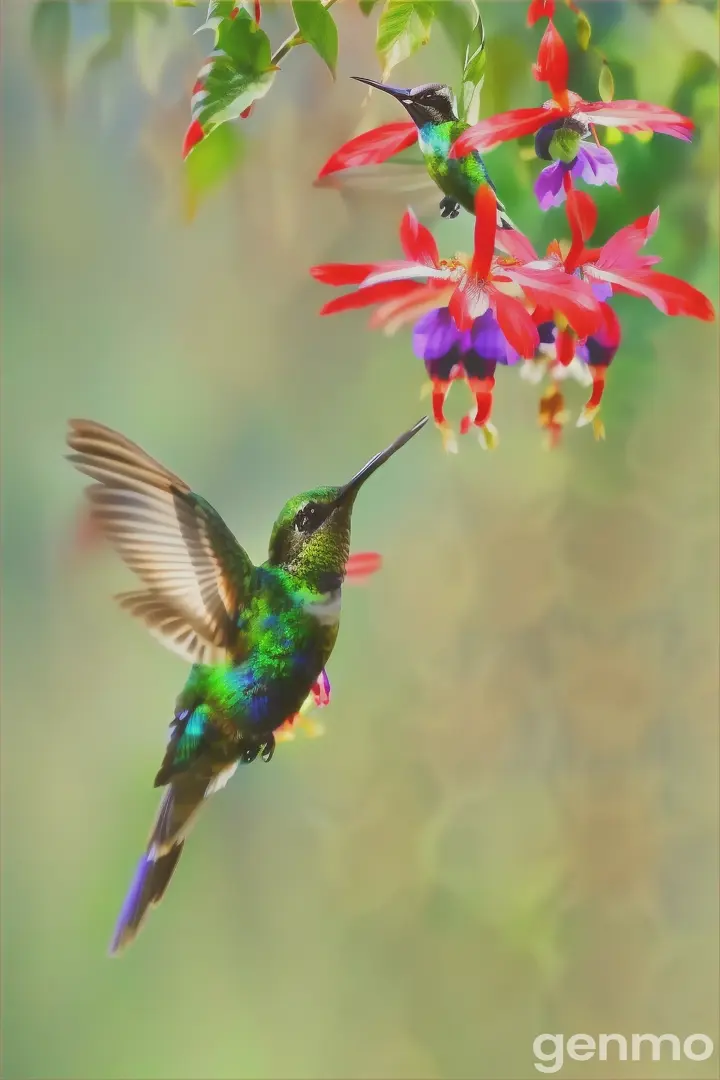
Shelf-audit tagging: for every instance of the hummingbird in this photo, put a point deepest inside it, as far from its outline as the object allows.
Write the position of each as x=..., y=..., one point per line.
x=433, y=109
x=258, y=637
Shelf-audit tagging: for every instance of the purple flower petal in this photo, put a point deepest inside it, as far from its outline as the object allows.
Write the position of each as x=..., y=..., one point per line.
x=489, y=342
x=548, y=188
x=602, y=290
x=435, y=335
x=582, y=352
x=595, y=165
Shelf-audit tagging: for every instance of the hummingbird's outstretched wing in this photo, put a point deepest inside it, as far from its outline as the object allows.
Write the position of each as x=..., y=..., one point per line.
x=197, y=574
x=392, y=183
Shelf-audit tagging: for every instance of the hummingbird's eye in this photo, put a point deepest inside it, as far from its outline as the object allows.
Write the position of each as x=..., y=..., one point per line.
x=309, y=518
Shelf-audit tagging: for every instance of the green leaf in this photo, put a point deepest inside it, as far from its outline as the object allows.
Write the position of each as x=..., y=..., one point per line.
x=50, y=40
x=217, y=11
x=212, y=159
x=318, y=28
x=583, y=30
x=473, y=79
x=238, y=73
x=606, y=83
x=247, y=46
x=403, y=28
x=366, y=6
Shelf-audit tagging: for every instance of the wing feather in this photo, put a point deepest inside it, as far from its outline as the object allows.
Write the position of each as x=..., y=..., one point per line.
x=177, y=544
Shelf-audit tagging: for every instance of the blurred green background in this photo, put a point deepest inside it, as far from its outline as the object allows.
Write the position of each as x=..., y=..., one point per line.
x=511, y=824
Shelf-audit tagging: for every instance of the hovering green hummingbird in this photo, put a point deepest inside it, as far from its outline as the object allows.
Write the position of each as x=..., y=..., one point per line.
x=433, y=109
x=258, y=637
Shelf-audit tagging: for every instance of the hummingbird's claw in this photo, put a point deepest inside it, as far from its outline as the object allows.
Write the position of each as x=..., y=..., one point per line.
x=249, y=754
x=268, y=749
x=449, y=208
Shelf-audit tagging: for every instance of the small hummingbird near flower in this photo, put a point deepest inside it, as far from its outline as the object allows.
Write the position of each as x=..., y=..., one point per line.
x=433, y=109
x=258, y=637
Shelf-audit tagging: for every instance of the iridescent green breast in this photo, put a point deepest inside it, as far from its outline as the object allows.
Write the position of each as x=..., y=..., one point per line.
x=458, y=177
x=285, y=638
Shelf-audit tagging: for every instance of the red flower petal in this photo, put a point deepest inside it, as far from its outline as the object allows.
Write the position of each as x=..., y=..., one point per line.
x=516, y=324
x=371, y=148
x=258, y=12
x=621, y=250
x=417, y=242
x=405, y=309
x=553, y=64
x=671, y=295
x=583, y=210
x=565, y=347
x=459, y=307
x=362, y=566
x=193, y=135
x=582, y=215
x=501, y=128
x=517, y=245
x=609, y=333
x=485, y=229
x=562, y=293
x=373, y=294
x=342, y=273
x=540, y=9
x=637, y=116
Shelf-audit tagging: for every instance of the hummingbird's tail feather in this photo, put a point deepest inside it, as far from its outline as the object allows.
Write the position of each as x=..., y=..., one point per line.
x=148, y=888
x=178, y=809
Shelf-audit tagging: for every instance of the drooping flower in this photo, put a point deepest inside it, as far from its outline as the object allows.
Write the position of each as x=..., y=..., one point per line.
x=468, y=285
x=552, y=67
x=450, y=354
x=618, y=266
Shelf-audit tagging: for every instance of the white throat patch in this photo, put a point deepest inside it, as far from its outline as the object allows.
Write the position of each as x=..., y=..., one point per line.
x=326, y=607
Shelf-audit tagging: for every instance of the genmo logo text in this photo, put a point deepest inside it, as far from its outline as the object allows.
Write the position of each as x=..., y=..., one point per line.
x=551, y=1051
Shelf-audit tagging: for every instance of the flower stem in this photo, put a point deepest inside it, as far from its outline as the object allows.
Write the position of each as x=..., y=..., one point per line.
x=295, y=38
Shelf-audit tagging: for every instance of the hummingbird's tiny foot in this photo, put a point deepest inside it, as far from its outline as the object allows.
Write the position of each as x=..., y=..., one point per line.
x=449, y=208
x=269, y=749
x=249, y=754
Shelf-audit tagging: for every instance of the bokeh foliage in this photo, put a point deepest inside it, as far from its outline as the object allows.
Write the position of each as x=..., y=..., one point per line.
x=510, y=826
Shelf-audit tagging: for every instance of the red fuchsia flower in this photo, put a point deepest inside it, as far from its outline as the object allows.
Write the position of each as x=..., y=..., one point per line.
x=617, y=266
x=566, y=119
x=473, y=355
x=468, y=285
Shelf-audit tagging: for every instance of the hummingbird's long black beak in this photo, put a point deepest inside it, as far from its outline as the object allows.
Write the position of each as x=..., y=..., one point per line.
x=394, y=91
x=352, y=487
